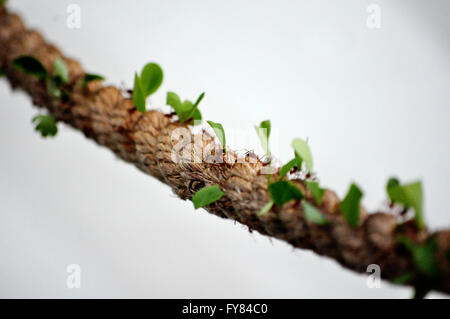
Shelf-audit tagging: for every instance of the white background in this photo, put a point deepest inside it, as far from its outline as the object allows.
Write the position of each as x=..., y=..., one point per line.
x=372, y=103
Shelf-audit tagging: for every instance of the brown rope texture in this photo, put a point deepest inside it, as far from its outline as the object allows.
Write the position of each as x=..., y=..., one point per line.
x=106, y=115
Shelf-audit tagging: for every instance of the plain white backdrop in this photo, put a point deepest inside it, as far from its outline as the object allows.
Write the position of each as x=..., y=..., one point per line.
x=372, y=102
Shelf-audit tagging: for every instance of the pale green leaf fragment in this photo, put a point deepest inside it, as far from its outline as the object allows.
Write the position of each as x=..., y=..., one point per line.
x=303, y=151
x=266, y=208
x=313, y=214
x=220, y=133
x=60, y=70
x=316, y=191
x=138, y=95
x=263, y=132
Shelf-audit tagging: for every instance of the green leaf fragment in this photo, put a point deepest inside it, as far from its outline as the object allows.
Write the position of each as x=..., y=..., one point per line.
x=46, y=125
x=186, y=111
x=303, y=151
x=313, y=214
x=2, y=73
x=283, y=192
x=88, y=77
x=30, y=65
x=409, y=195
x=220, y=132
x=286, y=168
x=316, y=191
x=53, y=87
x=60, y=70
x=207, y=195
x=151, y=78
x=173, y=100
x=350, y=206
x=138, y=95
x=195, y=113
x=263, y=132
x=424, y=256
x=266, y=208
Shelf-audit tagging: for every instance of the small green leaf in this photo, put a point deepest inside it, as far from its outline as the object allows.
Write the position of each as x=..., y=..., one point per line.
x=313, y=214
x=195, y=113
x=180, y=108
x=197, y=117
x=185, y=110
x=266, y=208
x=263, y=132
x=30, y=65
x=350, y=205
x=151, y=78
x=303, y=151
x=286, y=168
x=53, y=87
x=409, y=195
x=199, y=99
x=3, y=2
x=283, y=192
x=138, y=95
x=220, y=132
x=424, y=256
x=173, y=100
x=46, y=125
x=88, y=77
x=2, y=73
x=316, y=191
x=207, y=195
x=60, y=70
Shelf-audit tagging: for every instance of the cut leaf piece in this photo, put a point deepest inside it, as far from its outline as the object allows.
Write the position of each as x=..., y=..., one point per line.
x=350, y=206
x=30, y=65
x=263, y=132
x=186, y=111
x=207, y=195
x=303, y=151
x=53, y=87
x=60, y=70
x=313, y=214
x=409, y=195
x=138, y=95
x=266, y=208
x=89, y=78
x=316, y=191
x=195, y=113
x=220, y=132
x=46, y=125
x=286, y=168
x=283, y=192
x=151, y=78
x=424, y=256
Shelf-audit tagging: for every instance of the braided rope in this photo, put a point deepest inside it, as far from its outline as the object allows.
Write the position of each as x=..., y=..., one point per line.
x=145, y=140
